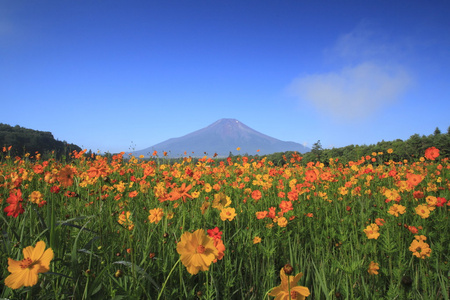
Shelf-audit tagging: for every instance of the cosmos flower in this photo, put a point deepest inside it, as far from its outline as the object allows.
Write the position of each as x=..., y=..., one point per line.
x=288, y=289
x=227, y=214
x=197, y=251
x=432, y=153
x=26, y=272
x=373, y=268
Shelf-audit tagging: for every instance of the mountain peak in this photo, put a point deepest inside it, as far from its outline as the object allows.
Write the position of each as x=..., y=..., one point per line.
x=223, y=137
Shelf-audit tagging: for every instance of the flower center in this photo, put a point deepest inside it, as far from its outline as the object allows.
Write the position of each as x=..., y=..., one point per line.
x=26, y=263
x=293, y=295
x=200, y=249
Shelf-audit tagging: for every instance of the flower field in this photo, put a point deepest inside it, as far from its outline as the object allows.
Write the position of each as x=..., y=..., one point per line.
x=92, y=227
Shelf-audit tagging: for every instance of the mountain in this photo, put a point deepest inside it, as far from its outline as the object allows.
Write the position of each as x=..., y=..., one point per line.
x=222, y=137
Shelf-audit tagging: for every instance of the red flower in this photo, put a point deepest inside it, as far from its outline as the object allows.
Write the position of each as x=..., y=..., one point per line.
x=215, y=233
x=440, y=201
x=15, y=207
x=55, y=189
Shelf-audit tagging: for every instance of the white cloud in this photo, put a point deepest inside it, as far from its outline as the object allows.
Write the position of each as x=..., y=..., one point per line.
x=353, y=92
x=369, y=77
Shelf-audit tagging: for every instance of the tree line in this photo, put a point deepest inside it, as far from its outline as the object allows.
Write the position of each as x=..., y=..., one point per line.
x=411, y=149
x=23, y=140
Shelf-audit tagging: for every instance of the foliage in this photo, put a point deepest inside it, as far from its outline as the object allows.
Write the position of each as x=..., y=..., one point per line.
x=24, y=140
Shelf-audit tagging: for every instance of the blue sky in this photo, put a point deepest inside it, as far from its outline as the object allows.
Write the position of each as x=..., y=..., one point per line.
x=121, y=75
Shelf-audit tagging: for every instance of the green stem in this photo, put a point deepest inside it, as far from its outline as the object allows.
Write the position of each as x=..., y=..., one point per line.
x=167, y=279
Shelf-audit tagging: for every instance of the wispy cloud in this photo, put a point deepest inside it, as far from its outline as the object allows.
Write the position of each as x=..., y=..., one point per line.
x=368, y=80
x=354, y=92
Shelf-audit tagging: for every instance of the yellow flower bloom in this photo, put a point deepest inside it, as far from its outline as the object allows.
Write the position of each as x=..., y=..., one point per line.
x=156, y=215
x=288, y=289
x=197, y=251
x=227, y=214
x=419, y=248
x=397, y=209
x=282, y=222
x=423, y=211
x=256, y=240
x=220, y=201
x=25, y=272
x=372, y=231
x=36, y=197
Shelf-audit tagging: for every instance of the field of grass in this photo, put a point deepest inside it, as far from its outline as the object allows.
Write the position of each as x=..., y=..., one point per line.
x=121, y=229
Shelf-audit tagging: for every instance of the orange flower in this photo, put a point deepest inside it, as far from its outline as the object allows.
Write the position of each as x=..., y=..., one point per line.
x=432, y=153
x=256, y=195
x=373, y=268
x=414, y=179
x=15, y=207
x=310, y=175
x=197, y=251
x=261, y=214
x=125, y=219
x=26, y=272
x=65, y=176
x=380, y=222
x=256, y=240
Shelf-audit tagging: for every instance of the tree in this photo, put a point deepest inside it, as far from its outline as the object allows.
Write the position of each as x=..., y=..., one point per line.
x=437, y=131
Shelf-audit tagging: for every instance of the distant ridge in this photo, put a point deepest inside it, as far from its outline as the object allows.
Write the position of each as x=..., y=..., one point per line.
x=222, y=137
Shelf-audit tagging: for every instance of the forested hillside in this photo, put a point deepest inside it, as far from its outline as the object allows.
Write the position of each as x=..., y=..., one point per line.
x=24, y=140
x=411, y=149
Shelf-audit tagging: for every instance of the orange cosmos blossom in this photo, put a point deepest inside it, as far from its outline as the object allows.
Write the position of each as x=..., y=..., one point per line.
x=65, y=176
x=26, y=272
x=432, y=153
x=288, y=289
x=197, y=251
x=373, y=268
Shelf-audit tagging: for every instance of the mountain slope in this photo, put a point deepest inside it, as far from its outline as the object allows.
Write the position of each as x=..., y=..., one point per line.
x=222, y=137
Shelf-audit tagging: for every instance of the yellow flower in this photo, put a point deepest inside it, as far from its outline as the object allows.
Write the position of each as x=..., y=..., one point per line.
x=220, y=201
x=288, y=289
x=373, y=268
x=419, y=248
x=282, y=222
x=25, y=272
x=372, y=231
x=423, y=211
x=227, y=214
x=36, y=197
x=156, y=215
x=397, y=209
x=197, y=251
x=125, y=219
